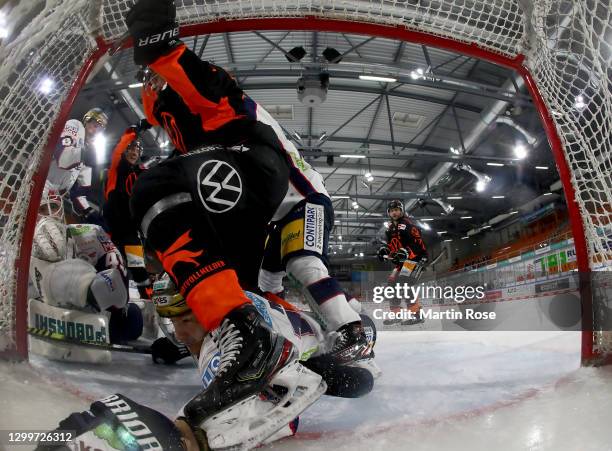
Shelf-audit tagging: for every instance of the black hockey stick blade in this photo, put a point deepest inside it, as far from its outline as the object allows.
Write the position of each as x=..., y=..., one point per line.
x=54, y=337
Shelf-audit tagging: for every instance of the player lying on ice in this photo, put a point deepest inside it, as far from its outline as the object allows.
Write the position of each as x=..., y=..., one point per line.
x=236, y=409
x=77, y=269
x=219, y=202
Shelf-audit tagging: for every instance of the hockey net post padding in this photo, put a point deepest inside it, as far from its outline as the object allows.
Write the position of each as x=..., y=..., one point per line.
x=561, y=49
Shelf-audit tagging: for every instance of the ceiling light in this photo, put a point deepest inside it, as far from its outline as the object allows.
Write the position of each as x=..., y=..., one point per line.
x=416, y=74
x=426, y=226
x=377, y=78
x=442, y=232
x=332, y=55
x=466, y=217
x=135, y=85
x=427, y=219
x=340, y=237
x=355, y=206
x=465, y=237
x=547, y=194
x=295, y=54
x=352, y=156
x=448, y=241
x=486, y=227
x=482, y=179
x=579, y=104
x=340, y=247
x=542, y=168
x=498, y=197
x=520, y=151
x=456, y=151
x=99, y=143
x=297, y=135
x=4, y=32
x=361, y=254
x=495, y=164
x=323, y=136
x=340, y=197
x=46, y=85
x=454, y=197
x=513, y=212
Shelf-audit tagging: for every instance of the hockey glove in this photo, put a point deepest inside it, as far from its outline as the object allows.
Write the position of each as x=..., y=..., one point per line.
x=154, y=29
x=164, y=351
x=400, y=256
x=382, y=253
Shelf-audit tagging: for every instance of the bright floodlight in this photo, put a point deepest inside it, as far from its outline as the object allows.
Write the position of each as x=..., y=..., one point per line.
x=100, y=147
x=481, y=186
x=46, y=86
x=425, y=226
x=580, y=105
x=416, y=74
x=378, y=78
x=520, y=151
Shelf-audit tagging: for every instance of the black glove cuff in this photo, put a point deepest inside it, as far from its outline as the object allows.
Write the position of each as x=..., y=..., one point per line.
x=151, y=44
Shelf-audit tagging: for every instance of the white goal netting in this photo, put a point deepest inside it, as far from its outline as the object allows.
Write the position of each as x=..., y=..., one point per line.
x=566, y=44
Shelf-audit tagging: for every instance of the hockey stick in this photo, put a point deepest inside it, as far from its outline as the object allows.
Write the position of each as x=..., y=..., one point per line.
x=54, y=337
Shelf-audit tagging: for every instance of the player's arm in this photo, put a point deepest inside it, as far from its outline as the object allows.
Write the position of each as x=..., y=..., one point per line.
x=201, y=85
x=79, y=191
x=412, y=240
x=68, y=151
x=128, y=136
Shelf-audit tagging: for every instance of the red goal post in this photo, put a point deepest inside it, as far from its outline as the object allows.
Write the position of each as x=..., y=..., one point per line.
x=561, y=49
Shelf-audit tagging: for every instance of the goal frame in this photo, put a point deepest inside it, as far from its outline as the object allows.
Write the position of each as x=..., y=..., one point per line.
x=315, y=23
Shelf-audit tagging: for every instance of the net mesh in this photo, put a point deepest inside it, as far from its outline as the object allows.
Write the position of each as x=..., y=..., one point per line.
x=567, y=45
x=571, y=62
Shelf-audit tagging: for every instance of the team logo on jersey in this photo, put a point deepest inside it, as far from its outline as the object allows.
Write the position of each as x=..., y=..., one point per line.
x=176, y=253
x=219, y=186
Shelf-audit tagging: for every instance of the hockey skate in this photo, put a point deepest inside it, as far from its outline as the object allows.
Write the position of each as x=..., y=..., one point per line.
x=350, y=343
x=253, y=360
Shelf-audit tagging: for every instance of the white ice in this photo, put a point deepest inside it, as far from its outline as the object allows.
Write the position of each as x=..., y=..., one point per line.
x=439, y=391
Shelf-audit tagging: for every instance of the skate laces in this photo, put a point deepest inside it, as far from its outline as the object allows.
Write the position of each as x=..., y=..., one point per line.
x=229, y=341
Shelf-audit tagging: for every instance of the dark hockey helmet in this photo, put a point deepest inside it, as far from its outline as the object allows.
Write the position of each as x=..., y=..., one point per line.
x=395, y=204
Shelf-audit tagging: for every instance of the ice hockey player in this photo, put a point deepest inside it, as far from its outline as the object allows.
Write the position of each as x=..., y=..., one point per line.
x=67, y=172
x=302, y=328
x=236, y=410
x=77, y=269
x=227, y=116
x=406, y=250
x=122, y=175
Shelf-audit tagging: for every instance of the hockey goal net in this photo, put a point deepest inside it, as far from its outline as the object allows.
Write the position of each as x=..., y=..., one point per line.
x=562, y=48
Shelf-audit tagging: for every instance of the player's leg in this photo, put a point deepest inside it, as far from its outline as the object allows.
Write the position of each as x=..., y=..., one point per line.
x=205, y=216
x=395, y=304
x=304, y=236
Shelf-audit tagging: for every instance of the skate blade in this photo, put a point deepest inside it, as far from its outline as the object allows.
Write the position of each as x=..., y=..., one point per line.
x=245, y=426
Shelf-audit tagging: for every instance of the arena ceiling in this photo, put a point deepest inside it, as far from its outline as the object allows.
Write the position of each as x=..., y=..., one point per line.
x=375, y=140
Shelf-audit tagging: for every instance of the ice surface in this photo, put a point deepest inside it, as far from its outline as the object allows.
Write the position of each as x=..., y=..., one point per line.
x=439, y=391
